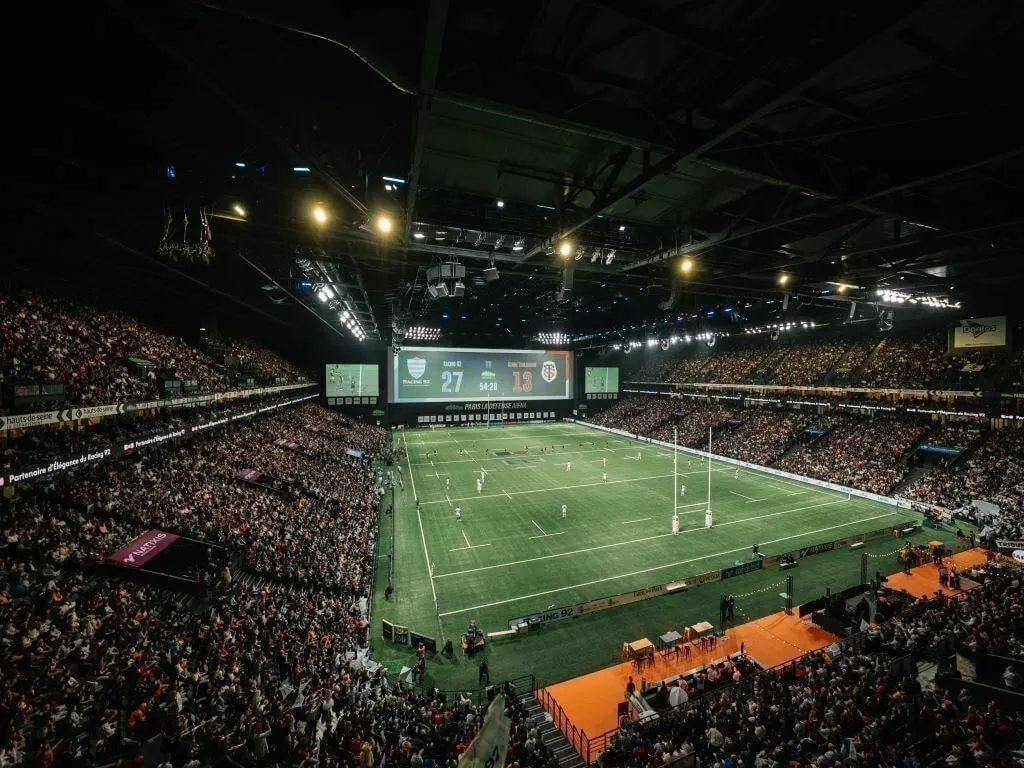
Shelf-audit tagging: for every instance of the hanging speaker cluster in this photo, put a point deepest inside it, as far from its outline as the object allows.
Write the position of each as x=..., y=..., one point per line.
x=446, y=280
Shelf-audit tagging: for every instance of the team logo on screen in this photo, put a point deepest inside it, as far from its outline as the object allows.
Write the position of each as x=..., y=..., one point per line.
x=416, y=366
x=549, y=371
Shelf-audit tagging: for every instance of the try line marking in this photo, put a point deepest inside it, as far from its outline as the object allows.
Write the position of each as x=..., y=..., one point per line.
x=423, y=538
x=636, y=541
x=642, y=519
x=661, y=567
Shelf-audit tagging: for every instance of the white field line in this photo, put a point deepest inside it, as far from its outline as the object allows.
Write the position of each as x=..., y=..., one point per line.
x=449, y=500
x=542, y=533
x=801, y=487
x=466, y=538
x=661, y=567
x=569, y=487
x=749, y=500
x=463, y=549
x=634, y=541
x=505, y=492
x=495, y=439
x=640, y=520
x=546, y=535
x=423, y=537
x=493, y=457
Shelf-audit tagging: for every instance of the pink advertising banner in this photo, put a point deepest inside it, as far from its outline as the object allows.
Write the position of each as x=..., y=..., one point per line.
x=143, y=549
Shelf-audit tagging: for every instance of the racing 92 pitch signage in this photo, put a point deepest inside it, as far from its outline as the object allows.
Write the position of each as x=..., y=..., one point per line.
x=440, y=375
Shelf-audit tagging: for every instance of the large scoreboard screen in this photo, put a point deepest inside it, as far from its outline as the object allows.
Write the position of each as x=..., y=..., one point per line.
x=439, y=375
x=597, y=380
x=348, y=379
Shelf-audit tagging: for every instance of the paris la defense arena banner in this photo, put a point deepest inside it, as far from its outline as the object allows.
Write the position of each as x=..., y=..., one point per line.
x=440, y=375
x=979, y=332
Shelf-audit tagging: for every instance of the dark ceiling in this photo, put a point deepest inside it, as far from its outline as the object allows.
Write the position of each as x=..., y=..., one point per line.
x=844, y=145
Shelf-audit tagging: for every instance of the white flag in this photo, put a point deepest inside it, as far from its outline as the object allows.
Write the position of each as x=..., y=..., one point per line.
x=491, y=744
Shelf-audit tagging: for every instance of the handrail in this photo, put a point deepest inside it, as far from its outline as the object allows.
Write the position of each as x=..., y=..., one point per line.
x=523, y=683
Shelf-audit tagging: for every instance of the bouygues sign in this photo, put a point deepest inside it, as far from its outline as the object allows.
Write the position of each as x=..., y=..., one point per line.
x=143, y=549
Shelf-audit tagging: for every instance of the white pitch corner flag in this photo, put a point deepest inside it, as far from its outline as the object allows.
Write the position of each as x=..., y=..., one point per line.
x=490, y=746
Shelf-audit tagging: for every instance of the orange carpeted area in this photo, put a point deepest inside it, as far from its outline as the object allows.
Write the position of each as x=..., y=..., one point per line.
x=590, y=701
x=923, y=581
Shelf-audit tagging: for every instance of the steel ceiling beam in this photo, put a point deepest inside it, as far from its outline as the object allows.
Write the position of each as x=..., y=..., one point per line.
x=858, y=35
x=187, y=64
x=821, y=209
x=709, y=43
x=437, y=16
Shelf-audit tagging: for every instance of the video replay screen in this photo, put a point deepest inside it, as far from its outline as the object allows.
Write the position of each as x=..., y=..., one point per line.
x=443, y=374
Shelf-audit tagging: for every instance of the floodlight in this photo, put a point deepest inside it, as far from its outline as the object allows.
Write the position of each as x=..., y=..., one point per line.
x=237, y=208
x=319, y=214
x=565, y=248
x=384, y=223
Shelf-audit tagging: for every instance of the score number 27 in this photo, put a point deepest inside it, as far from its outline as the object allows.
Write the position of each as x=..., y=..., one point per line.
x=447, y=377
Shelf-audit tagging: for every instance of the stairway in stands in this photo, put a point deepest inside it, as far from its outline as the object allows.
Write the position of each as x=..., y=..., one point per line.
x=915, y=474
x=567, y=756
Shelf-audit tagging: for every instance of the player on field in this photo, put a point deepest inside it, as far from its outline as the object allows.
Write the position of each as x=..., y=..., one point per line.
x=458, y=513
x=563, y=510
x=417, y=505
x=682, y=491
x=638, y=455
x=604, y=461
x=447, y=483
x=479, y=485
x=604, y=476
x=568, y=466
x=736, y=474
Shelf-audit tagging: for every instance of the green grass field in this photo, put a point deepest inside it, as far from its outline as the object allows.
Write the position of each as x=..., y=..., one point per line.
x=512, y=553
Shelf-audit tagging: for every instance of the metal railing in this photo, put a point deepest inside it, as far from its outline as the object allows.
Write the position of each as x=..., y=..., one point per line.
x=575, y=736
x=522, y=685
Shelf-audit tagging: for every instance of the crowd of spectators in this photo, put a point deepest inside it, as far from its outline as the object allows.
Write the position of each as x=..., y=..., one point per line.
x=736, y=365
x=44, y=339
x=994, y=473
x=758, y=435
x=852, y=706
x=806, y=364
x=846, y=367
x=910, y=360
x=637, y=414
x=955, y=434
x=253, y=357
x=95, y=670
x=692, y=426
x=688, y=368
x=859, y=453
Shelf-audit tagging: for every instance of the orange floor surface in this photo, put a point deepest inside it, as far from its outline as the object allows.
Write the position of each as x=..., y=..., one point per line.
x=590, y=701
x=923, y=581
